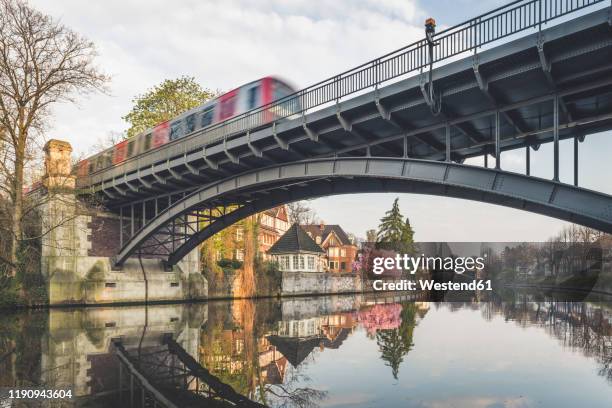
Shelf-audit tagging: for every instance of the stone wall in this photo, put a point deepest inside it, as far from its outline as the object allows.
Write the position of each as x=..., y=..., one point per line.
x=303, y=283
x=78, y=241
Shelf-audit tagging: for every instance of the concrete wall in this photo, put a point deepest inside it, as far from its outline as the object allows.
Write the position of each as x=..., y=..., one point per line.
x=301, y=283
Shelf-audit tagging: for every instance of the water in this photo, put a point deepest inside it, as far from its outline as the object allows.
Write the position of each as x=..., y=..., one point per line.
x=336, y=351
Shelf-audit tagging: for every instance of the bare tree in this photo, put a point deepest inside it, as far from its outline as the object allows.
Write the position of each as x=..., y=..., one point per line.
x=41, y=62
x=301, y=213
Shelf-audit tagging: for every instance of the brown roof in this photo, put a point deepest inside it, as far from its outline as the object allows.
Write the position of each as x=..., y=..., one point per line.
x=316, y=231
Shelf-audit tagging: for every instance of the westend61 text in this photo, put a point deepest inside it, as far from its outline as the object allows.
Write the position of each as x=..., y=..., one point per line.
x=431, y=285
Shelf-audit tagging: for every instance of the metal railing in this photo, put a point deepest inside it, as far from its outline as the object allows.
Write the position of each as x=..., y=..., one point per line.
x=494, y=25
x=502, y=22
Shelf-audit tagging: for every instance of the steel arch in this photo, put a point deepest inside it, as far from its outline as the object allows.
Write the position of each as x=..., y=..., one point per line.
x=264, y=188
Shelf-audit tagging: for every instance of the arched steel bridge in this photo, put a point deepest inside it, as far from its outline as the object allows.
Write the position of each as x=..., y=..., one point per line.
x=550, y=80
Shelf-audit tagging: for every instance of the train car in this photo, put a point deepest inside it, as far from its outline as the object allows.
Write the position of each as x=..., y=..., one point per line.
x=235, y=102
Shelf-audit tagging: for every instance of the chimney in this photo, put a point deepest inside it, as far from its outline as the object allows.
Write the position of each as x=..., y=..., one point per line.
x=322, y=226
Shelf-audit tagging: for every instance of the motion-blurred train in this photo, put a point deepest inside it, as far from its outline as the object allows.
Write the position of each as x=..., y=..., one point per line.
x=250, y=96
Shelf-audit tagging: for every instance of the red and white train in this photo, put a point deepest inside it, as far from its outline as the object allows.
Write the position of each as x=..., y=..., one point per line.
x=250, y=96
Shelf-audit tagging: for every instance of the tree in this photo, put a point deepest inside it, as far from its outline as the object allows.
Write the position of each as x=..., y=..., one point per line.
x=301, y=213
x=407, y=238
x=164, y=102
x=391, y=225
x=394, y=233
x=371, y=235
x=41, y=62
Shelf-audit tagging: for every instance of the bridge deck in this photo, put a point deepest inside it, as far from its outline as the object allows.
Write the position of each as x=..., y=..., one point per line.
x=514, y=83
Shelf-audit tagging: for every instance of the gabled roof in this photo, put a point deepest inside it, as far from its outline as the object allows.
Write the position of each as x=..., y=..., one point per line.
x=295, y=240
x=315, y=230
x=279, y=212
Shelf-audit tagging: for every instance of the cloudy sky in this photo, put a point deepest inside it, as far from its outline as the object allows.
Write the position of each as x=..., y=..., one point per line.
x=224, y=44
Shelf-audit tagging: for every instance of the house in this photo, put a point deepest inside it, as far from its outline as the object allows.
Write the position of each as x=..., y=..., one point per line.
x=339, y=249
x=295, y=251
x=272, y=225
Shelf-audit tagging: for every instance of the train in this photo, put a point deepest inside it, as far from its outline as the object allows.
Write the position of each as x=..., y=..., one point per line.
x=226, y=106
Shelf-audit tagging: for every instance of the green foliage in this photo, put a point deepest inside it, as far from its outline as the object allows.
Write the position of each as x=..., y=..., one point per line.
x=226, y=263
x=394, y=233
x=269, y=277
x=164, y=102
x=394, y=344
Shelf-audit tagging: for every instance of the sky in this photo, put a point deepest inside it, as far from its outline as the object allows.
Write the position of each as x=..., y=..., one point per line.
x=224, y=44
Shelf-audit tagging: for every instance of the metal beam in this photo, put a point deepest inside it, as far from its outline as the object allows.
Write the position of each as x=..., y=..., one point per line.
x=547, y=70
x=483, y=85
x=351, y=175
x=556, y=137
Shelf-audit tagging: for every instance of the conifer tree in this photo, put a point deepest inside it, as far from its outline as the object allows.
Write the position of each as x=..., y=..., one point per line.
x=391, y=225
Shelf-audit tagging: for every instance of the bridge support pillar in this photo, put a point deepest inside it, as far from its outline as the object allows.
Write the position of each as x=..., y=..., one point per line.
x=79, y=240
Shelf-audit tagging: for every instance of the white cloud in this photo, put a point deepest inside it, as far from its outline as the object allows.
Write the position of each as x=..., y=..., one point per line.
x=222, y=44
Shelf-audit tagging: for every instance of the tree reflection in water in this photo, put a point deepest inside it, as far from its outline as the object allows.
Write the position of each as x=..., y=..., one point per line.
x=267, y=349
x=265, y=355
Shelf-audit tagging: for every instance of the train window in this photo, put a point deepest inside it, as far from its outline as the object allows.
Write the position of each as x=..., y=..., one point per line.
x=130, y=148
x=207, y=117
x=176, y=130
x=227, y=107
x=190, y=123
x=147, y=142
x=253, y=97
x=281, y=90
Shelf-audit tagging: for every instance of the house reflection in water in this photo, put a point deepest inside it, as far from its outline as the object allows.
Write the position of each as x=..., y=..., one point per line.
x=248, y=357
x=296, y=339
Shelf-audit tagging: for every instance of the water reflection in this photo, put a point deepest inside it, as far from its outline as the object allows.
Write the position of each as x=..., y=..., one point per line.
x=327, y=351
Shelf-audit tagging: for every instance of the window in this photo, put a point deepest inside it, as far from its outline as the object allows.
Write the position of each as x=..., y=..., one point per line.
x=301, y=263
x=296, y=262
x=342, y=252
x=333, y=265
x=239, y=234
x=176, y=130
x=190, y=123
x=240, y=255
x=253, y=97
x=281, y=90
x=342, y=266
x=130, y=148
x=311, y=263
x=318, y=240
x=207, y=117
x=227, y=107
x=333, y=251
x=283, y=262
x=147, y=141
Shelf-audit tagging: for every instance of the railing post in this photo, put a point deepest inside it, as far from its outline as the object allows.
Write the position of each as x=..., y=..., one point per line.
x=556, y=137
x=540, y=16
x=497, y=141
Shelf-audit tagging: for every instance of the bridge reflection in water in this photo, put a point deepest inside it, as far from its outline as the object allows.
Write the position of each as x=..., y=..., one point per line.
x=358, y=350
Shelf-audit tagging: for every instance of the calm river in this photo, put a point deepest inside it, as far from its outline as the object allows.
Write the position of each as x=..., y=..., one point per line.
x=337, y=351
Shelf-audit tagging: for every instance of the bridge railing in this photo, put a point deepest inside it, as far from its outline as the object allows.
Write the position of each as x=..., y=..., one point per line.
x=494, y=25
x=502, y=22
